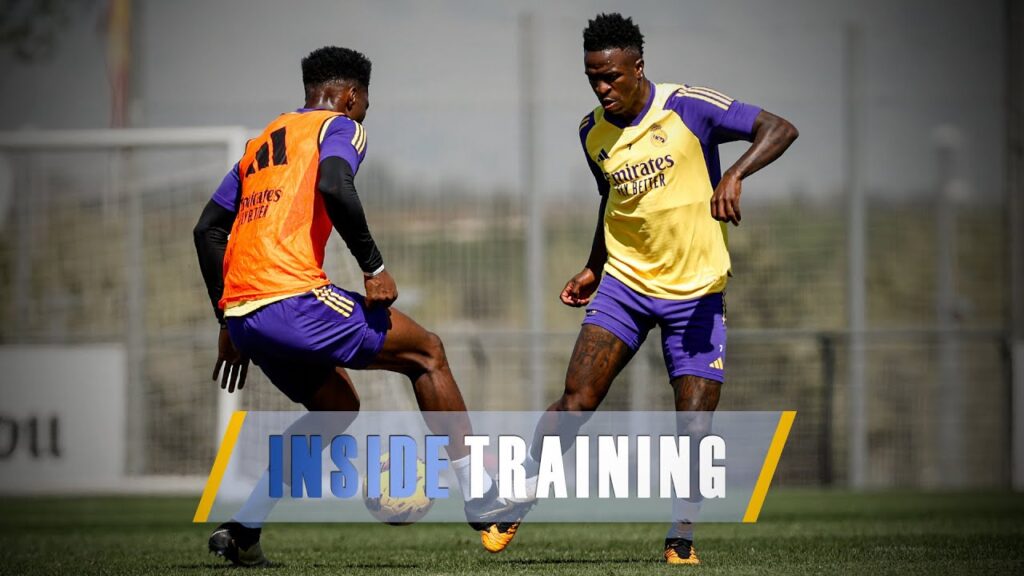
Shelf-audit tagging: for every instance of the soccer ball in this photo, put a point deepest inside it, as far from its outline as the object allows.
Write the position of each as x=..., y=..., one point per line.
x=398, y=511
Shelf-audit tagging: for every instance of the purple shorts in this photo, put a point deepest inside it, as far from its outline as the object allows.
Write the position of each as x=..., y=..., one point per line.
x=692, y=331
x=298, y=341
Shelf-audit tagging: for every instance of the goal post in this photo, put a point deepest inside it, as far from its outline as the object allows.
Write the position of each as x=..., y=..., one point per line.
x=95, y=235
x=96, y=248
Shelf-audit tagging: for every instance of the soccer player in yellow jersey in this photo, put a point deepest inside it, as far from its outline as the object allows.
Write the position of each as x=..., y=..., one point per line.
x=660, y=241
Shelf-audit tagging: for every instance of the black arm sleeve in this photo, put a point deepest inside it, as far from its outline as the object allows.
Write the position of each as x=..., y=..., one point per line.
x=211, y=238
x=346, y=211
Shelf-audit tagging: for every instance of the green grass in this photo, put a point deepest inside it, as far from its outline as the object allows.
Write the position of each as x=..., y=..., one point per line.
x=799, y=533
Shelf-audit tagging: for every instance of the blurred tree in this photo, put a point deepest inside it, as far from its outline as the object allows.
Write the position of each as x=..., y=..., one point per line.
x=30, y=29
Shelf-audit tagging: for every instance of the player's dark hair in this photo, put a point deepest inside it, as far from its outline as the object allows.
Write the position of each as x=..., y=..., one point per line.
x=608, y=31
x=333, y=64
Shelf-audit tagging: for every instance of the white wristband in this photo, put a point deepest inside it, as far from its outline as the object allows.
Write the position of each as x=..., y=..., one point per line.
x=375, y=273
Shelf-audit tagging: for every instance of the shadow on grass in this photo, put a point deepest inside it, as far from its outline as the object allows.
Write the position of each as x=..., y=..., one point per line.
x=603, y=561
x=274, y=566
x=511, y=562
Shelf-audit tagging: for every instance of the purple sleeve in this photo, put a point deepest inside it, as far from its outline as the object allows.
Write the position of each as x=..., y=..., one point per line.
x=344, y=139
x=737, y=123
x=713, y=117
x=227, y=193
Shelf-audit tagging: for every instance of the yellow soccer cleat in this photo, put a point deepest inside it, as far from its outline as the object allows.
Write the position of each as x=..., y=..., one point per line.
x=498, y=536
x=497, y=519
x=680, y=551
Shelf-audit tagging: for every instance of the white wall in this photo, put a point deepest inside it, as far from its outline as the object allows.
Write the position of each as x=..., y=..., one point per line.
x=445, y=79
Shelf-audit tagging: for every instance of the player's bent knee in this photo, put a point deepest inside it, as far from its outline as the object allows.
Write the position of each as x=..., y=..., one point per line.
x=426, y=356
x=434, y=357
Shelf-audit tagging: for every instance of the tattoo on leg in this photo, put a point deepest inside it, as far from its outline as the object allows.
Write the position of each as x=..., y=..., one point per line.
x=696, y=394
x=598, y=356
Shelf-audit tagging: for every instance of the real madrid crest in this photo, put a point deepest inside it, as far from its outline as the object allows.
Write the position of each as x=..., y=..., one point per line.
x=658, y=136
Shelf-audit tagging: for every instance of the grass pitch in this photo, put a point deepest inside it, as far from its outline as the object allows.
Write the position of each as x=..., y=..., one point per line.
x=799, y=533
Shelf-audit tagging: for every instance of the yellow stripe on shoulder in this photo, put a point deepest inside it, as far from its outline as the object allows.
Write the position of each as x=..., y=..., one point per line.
x=585, y=122
x=690, y=93
x=323, y=129
x=359, y=138
x=713, y=94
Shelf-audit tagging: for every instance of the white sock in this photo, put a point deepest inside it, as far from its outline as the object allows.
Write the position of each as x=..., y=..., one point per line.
x=461, y=469
x=256, y=509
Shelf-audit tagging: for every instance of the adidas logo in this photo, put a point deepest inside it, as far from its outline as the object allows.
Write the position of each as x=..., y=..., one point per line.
x=602, y=155
x=717, y=364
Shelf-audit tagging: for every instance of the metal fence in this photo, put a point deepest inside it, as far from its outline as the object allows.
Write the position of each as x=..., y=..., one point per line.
x=95, y=245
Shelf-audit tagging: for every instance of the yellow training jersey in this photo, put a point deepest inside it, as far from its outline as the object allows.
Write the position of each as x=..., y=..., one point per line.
x=659, y=173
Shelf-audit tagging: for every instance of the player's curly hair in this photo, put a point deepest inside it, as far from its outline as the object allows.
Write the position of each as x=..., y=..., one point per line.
x=331, y=63
x=613, y=30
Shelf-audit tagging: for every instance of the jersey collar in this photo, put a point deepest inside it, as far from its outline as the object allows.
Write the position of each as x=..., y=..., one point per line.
x=304, y=110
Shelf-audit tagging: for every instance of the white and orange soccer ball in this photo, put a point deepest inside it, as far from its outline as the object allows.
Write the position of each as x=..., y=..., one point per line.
x=398, y=511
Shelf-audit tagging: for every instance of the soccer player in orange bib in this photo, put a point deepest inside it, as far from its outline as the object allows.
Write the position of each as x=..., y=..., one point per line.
x=261, y=241
x=660, y=240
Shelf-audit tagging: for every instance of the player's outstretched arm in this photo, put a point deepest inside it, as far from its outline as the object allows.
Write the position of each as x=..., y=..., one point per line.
x=336, y=186
x=211, y=239
x=581, y=287
x=772, y=136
